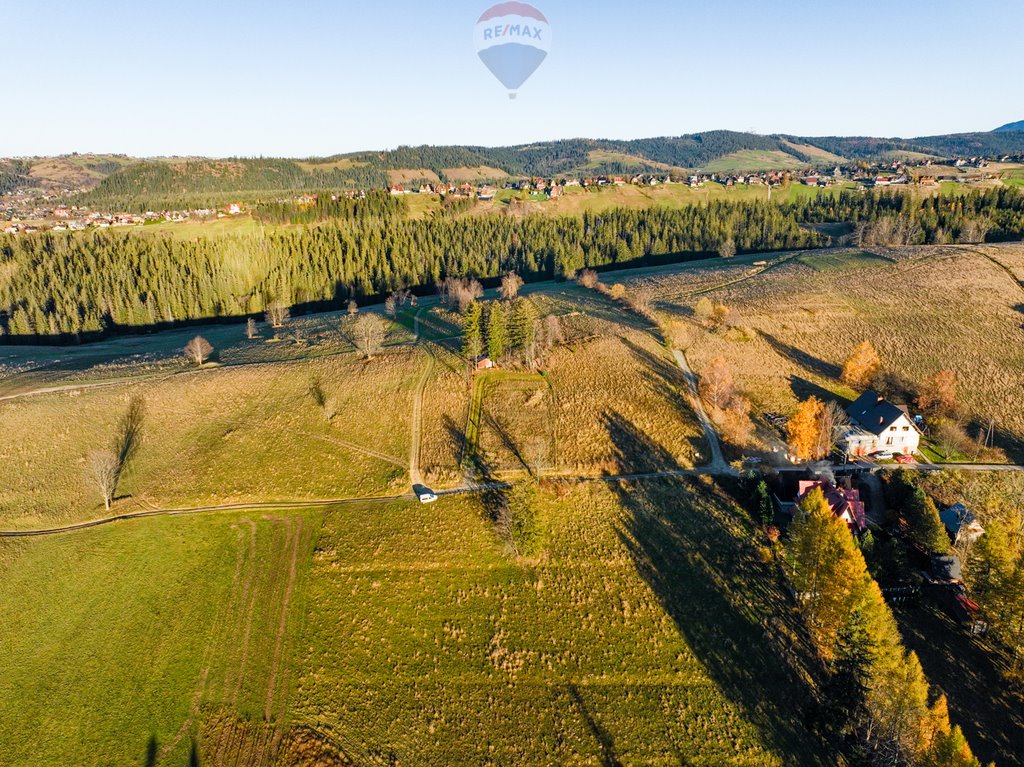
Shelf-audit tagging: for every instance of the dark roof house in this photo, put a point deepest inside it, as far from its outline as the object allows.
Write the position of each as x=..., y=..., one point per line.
x=961, y=524
x=874, y=413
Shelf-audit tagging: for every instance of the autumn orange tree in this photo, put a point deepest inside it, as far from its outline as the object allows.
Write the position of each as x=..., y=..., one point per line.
x=937, y=394
x=861, y=366
x=804, y=430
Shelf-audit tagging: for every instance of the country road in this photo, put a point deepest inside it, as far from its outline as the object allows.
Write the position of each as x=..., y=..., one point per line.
x=188, y=511
x=717, y=464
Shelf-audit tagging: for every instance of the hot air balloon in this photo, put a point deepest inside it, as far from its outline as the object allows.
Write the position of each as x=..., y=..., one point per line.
x=512, y=39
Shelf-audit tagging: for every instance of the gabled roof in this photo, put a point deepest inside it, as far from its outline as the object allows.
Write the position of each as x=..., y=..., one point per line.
x=958, y=517
x=844, y=503
x=874, y=413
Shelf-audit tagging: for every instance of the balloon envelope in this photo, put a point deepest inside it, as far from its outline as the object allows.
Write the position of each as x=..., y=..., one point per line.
x=512, y=39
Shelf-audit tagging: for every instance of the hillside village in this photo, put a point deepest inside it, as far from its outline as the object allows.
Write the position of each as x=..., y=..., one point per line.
x=26, y=212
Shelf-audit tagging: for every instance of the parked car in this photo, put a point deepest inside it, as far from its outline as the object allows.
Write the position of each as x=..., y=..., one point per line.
x=882, y=455
x=427, y=497
x=905, y=459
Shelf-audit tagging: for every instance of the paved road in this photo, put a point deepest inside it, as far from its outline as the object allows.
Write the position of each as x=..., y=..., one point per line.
x=718, y=464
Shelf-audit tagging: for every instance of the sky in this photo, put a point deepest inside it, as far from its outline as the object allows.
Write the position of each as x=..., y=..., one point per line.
x=315, y=78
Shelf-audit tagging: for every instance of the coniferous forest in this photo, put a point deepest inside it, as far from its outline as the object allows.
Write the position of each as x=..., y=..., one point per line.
x=68, y=287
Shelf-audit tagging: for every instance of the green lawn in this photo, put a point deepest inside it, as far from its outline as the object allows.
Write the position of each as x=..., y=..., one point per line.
x=116, y=637
x=636, y=639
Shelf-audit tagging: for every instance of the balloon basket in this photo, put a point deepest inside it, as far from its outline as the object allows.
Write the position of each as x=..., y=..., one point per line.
x=511, y=97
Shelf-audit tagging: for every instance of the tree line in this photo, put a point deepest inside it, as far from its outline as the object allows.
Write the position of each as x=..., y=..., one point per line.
x=65, y=285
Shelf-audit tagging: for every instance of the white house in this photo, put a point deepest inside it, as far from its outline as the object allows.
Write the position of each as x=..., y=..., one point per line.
x=877, y=425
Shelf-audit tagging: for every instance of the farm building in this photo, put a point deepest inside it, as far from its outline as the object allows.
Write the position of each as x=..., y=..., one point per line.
x=877, y=425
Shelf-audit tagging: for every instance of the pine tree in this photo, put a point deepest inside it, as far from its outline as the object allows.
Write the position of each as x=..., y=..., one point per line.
x=521, y=326
x=496, y=331
x=765, y=507
x=472, y=340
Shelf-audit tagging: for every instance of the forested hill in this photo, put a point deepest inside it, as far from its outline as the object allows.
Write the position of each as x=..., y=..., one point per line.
x=1017, y=126
x=175, y=182
x=66, y=287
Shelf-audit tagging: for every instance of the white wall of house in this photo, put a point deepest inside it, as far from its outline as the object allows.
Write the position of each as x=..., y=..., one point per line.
x=902, y=437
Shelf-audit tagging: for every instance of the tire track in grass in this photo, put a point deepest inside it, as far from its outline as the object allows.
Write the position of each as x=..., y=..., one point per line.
x=298, y=544
x=217, y=637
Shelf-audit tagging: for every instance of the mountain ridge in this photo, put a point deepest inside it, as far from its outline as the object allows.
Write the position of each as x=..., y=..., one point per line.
x=170, y=179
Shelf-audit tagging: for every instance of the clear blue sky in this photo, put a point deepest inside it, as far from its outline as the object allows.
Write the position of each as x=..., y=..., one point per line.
x=313, y=78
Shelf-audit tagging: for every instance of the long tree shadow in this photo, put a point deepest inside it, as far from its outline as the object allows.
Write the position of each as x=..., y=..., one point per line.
x=969, y=671
x=601, y=735
x=802, y=389
x=152, y=750
x=693, y=548
x=803, y=359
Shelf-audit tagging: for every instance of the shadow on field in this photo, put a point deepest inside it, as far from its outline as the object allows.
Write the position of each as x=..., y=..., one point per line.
x=968, y=671
x=802, y=358
x=601, y=736
x=152, y=749
x=691, y=547
x=802, y=389
x=656, y=363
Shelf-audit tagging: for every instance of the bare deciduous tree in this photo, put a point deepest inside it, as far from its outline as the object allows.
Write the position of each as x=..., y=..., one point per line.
x=833, y=423
x=353, y=307
x=367, y=334
x=198, y=350
x=727, y=249
x=510, y=285
x=391, y=305
x=588, y=278
x=278, y=313
x=104, y=470
x=641, y=298
x=250, y=328
x=460, y=292
x=536, y=454
x=716, y=384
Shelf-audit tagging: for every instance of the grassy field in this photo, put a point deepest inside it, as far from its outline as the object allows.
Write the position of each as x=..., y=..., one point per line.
x=426, y=644
x=399, y=633
x=29, y=368
x=217, y=436
x=752, y=160
x=650, y=628
x=924, y=309
x=125, y=645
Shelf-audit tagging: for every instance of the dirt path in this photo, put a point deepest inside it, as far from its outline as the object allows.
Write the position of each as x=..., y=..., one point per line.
x=364, y=450
x=717, y=464
x=416, y=437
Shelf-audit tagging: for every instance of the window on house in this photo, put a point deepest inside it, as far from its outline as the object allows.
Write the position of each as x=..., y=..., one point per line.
x=892, y=428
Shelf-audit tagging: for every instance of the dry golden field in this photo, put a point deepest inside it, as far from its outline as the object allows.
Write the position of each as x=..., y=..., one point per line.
x=924, y=309
x=251, y=433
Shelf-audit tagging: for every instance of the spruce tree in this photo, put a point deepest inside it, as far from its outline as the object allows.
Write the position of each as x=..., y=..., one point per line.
x=496, y=331
x=472, y=340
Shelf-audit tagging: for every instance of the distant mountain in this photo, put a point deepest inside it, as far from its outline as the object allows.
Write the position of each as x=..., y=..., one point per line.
x=1010, y=127
x=180, y=182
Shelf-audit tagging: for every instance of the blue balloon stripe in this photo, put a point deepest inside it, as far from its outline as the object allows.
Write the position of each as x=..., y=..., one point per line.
x=512, y=63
